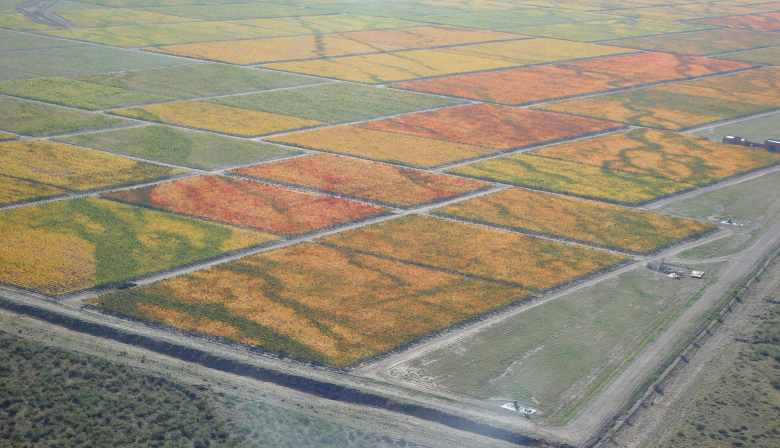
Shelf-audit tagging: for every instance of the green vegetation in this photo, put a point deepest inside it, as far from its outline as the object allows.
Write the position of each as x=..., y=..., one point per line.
x=411, y=11
x=149, y=86
x=81, y=60
x=755, y=130
x=718, y=248
x=232, y=11
x=34, y=119
x=769, y=56
x=741, y=407
x=556, y=353
x=55, y=397
x=607, y=29
x=186, y=148
x=498, y=20
x=337, y=102
x=19, y=41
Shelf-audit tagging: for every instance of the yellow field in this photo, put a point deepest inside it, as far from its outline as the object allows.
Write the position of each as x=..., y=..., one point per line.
x=217, y=118
x=760, y=87
x=95, y=18
x=384, y=146
x=537, y=51
x=74, y=168
x=14, y=190
x=18, y=22
x=679, y=157
x=327, y=24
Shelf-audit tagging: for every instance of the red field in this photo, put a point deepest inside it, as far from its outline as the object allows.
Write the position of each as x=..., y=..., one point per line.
x=491, y=126
x=366, y=180
x=249, y=204
x=526, y=85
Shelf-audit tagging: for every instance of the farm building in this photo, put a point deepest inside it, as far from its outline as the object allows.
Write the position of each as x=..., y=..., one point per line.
x=769, y=144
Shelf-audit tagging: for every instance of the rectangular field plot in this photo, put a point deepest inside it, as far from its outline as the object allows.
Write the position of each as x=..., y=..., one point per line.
x=99, y=18
x=758, y=87
x=165, y=34
x=388, y=67
x=248, y=204
x=769, y=56
x=35, y=119
x=656, y=107
x=72, y=61
x=400, y=9
x=10, y=41
x=703, y=42
x=607, y=29
x=336, y=102
x=13, y=189
x=765, y=22
x=593, y=222
x=473, y=250
x=329, y=23
x=313, y=302
x=180, y=147
x=148, y=86
x=537, y=51
x=232, y=11
x=19, y=22
x=679, y=157
x=497, y=20
x=572, y=178
x=525, y=85
x=384, y=146
x=74, y=168
x=331, y=45
x=559, y=352
x=377, y=182
x=684, y=12
x=497, y=127
x=66, y=246
x=217, y=118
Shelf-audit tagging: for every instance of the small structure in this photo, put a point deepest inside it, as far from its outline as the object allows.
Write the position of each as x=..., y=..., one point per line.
x=697, y=274
x=676, y=275
x=770, y=145
x=518, y=408
x=659, y=266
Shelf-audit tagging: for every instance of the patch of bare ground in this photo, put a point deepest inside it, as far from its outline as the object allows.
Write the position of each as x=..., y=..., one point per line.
x=726, y=395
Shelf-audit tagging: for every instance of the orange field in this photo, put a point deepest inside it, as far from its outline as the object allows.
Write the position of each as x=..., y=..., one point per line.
x=487, y=253
x=679, y=157
x=525, y=85
x=593, y=222
x=365, y=180
x=756, y=87
x=217, y=118
x=384, y=146
x=314, y=302
x=491, y=126
x=248, y=204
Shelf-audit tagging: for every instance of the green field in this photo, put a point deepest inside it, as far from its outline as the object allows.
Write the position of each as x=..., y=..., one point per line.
x=19, y=22
x=186, y=148
x=703, y=42
x=769, y=56
x=755, y=130
x=402, y=10
x=17, y=41
x=35, y=119
x=556, y=353
x=498, y=20
x=74, y=61
x=606, y=29
x=340, y=23
x=337, y=102
x=232, y=11
x=129, y=88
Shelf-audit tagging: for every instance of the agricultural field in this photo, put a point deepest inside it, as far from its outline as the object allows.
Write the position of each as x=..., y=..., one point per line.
x=702, y=42
x=37, y=120
x=74, y=168
x=386, y=184
x=768, y=56
x=80, y=60
x=216, y=118
x=100, y=18
x=667, y=155
x=340, y=23
x=230, y=11
x=66, y=246
x=248, y=204
x=165, y=34
x=497, y=20
x=18, y=190
x=18, y=22
x=331, y=45
x=5, y=136
x=497, y=127
x=181, y=147
x=611, y=226
x=314, y=302
x=764, y=22
x=755, y=130
x=572, y=178
x=10, y=41
x=492, y=254
x=607, y=29
x=556, y=354
x=114, y=90
x=526, y=85
x=401, y=149
x=337, y=102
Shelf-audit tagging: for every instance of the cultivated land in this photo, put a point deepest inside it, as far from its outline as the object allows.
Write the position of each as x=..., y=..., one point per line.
x=234, y=184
